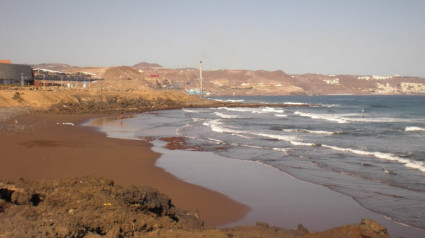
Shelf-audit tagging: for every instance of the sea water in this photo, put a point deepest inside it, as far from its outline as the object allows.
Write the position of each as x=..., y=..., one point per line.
x=371, y=148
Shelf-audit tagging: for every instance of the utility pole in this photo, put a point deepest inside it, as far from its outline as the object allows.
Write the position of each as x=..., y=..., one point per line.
x=22, y=80
x=200, y=77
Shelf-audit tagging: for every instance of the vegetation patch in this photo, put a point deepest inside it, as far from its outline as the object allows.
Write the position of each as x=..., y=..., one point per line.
x=17, y=97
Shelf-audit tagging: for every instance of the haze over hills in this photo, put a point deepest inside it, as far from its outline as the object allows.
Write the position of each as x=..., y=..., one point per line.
x=145, y=65
x=143, y=76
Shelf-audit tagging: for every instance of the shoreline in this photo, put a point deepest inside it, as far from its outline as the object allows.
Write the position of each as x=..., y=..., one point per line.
x=46, y=146
x=306, y=202
x=36, y=127
x=275, y=197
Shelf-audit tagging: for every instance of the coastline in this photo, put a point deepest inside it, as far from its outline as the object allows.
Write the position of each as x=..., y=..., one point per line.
x=274, y=197
x=43, y=146
x=52, y=142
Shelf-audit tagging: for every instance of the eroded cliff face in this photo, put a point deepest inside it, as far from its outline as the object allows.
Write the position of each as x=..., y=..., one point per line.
x=96, y=207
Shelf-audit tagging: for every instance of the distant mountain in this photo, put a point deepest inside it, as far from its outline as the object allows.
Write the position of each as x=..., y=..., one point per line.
x=145, y=65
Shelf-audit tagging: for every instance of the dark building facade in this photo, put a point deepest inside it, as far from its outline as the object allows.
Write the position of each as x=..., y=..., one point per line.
x=14, y=73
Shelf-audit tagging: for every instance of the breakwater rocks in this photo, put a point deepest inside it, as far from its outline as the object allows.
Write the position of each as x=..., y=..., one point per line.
x=96, y=207
x=116, y=103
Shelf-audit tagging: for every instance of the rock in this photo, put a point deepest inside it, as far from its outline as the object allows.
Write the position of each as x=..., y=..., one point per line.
x=96, y=207
x=262, y=224
x=189, y=220
x=301, y=229
x=20, y=198
x=87, y=206
x=372, y=229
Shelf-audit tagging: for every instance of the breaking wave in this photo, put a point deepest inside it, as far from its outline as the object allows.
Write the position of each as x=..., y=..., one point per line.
x=327, y=117
x=226, y=116
x=380, y=155
x=414, y=128
x=310, y=131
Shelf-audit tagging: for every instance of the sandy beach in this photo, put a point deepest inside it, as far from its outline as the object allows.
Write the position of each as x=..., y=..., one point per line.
x=43, y=146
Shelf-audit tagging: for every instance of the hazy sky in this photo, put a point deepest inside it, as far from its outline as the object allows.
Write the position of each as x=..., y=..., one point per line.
x=384, y=37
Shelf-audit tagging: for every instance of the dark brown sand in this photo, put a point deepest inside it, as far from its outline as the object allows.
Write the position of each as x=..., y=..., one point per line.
x=40, y=146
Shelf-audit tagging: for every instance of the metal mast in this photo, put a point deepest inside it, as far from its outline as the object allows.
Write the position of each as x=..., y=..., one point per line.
x=200, y=77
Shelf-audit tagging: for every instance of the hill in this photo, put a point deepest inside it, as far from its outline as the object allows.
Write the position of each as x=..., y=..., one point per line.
x=145, y=65
x=147, y=76
x=123, y=77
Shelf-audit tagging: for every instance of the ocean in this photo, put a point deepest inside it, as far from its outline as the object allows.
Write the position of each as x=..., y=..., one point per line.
x=370, y=148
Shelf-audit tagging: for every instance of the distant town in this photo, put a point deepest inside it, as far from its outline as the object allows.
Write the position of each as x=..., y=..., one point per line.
x=143, y=76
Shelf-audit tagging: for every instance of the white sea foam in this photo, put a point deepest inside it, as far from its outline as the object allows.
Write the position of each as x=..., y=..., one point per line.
x=252, y=146
x=270, y=109
x=280, y=115
x=321, y=132
x=308, y=131
x=291, y=139
x=242, y=136
x=234, y=100
x=374, y=119
x=328, y=117
x=414, y=128
x=217, y=126
x=239, y=109
x=190, y=111
x=280, y=150
x=253, y=110
x=295, y=103
x=298, y=143
x=228, y=100
x=278, y=137
x=216, y=141
x=385, y=156
x=331, y=105
x=226, y=116
x=347, y=118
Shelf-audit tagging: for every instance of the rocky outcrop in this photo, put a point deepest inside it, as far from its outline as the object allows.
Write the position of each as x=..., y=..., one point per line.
x=87, y=206
x=96, y=207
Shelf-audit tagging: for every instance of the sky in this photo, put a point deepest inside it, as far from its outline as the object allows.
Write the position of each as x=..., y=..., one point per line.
x=363, y=37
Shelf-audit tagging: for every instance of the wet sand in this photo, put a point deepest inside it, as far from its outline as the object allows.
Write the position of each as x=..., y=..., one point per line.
x=274, y=197
x=42, y=146
x=45, y=146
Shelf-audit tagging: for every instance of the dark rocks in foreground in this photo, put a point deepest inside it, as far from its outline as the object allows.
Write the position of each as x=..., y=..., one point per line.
x=96, y=207
x=82, y=206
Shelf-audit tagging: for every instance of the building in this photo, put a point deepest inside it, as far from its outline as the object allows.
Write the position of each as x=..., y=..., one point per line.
x=46, y=77
x=16, y=74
